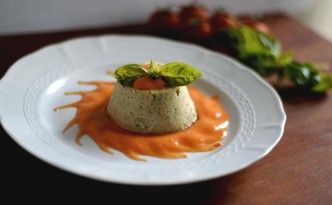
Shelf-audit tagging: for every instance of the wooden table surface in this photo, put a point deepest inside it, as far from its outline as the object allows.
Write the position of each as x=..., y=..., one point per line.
x=297, y=171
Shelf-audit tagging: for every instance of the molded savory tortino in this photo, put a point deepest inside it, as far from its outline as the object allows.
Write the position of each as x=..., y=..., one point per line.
x=205, y=134
x=154, y=111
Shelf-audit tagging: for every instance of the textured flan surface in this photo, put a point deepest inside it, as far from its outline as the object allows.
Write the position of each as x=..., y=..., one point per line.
x=152, y=111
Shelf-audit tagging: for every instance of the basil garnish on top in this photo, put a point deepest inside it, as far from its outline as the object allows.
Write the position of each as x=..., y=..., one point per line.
x=178, y=74
x=154, y=70
x=127, y=74
x=174, y=74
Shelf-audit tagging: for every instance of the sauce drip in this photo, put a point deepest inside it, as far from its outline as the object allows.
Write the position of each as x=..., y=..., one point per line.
x=91, y=117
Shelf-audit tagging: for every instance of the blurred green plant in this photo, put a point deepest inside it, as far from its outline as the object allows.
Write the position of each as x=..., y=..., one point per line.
x=263, y=53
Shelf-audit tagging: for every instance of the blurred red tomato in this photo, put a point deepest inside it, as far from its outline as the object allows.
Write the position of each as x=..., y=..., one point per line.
x=201, y=31
x=188, y=13
x=263, y=27
x=220, y=21
x=247, y=20
x=256, y=24
x=164, y=21
x=197, y=30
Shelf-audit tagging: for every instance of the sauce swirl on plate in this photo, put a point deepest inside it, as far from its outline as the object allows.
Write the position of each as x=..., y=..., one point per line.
x=91, y=117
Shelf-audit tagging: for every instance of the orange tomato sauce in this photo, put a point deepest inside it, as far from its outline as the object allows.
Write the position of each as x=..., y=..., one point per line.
x=93, y=121
x=147, y=83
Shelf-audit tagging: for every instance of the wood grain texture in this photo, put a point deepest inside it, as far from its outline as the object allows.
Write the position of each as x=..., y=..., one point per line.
x=297, y=171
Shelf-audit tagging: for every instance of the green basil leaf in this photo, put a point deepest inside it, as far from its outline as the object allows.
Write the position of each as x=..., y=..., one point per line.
x=263, y=54
x=285, y=58
x=127, y=74
x=248, y=41
x=265, y=64
x=154, y=70
x=324, y=83
x=302, y=74
x=179, y=74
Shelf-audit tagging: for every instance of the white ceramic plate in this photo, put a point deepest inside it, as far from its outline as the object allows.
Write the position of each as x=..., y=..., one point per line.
x=35, y=85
